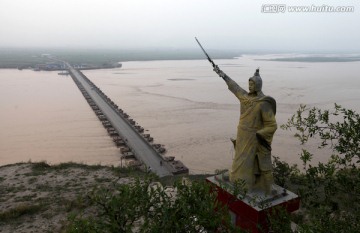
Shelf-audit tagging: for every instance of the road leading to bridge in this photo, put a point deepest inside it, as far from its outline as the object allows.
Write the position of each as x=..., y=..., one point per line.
x=144, y=152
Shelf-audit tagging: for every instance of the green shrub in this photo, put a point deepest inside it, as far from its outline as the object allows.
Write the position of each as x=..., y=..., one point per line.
x=136, y=206
x=329, y=190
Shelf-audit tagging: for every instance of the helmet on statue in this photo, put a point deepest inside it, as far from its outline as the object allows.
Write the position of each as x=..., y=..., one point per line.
x=258, y=82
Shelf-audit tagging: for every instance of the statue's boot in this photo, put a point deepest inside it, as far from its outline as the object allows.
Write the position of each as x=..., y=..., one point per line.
x=268, y=181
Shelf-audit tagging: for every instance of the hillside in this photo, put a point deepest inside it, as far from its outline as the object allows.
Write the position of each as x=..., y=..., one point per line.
x=36, y=197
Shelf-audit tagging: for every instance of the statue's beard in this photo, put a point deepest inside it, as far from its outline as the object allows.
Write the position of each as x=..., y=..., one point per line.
x=252, y=93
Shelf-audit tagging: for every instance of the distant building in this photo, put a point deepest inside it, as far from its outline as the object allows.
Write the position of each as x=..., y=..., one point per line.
x=46, y=55
x=49, y=66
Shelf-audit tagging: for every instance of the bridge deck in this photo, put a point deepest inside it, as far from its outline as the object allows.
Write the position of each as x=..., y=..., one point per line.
x=144, y=152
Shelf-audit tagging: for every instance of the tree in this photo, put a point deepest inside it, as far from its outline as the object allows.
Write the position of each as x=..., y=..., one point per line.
x=330, y=191
x=339, y=129
x=141, y=207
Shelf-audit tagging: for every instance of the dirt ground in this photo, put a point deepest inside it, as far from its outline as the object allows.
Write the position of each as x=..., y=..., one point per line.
x=36, y=197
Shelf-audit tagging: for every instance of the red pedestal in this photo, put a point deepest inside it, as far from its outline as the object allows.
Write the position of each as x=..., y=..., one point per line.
x=252, y=210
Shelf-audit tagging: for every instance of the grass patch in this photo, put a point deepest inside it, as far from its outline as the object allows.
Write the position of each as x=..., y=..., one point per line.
x=128, y=171
x=26, y=198
x=170, y=180
x=32, y=180
x=16, y=212
x=104, y=179
x=38, y=169
x=79, y=203
x=44, y=187
x=40, y=166
x=15, y=189
x=13, y=164
x=67, y=165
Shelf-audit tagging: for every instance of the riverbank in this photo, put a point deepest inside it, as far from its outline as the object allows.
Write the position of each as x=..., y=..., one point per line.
x=15, y=58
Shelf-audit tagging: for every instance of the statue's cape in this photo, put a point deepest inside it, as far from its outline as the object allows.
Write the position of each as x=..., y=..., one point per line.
x=272, y=102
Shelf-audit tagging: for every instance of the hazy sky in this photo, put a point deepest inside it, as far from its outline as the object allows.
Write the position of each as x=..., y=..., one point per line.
x=219, y=24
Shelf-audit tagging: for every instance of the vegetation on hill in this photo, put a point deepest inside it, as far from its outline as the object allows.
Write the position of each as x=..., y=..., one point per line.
x=329, y=191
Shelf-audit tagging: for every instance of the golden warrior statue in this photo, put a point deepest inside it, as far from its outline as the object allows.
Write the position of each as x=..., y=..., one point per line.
x=257, y=125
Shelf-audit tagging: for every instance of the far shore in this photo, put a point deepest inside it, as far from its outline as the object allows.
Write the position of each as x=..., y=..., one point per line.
x=31, y=64
x=316, y=59
x=14, y=58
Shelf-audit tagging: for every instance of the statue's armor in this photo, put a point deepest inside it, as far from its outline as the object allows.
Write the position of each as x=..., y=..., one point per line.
x=257, y=124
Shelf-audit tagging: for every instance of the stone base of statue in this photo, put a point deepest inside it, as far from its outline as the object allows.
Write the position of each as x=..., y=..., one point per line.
x=250, y=211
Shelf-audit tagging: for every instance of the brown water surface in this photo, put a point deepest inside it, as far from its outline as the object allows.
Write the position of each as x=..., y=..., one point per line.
x=183, y=104
x=45, y=117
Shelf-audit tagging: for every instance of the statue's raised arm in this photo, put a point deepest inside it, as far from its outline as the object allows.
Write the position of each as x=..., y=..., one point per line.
x=232, y=85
